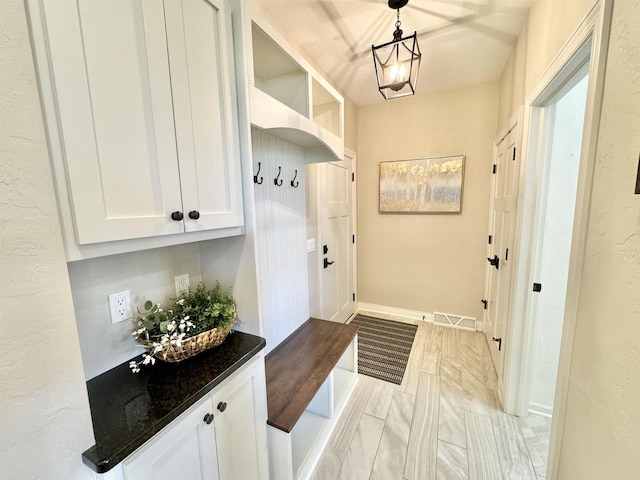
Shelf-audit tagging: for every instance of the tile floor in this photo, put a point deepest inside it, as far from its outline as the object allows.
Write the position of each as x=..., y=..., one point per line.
x=443, y=422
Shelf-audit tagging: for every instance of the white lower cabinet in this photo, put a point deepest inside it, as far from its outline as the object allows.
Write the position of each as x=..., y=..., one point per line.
x=222, y=437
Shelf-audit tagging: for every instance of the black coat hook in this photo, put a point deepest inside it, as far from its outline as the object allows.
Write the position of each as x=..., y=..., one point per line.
x=255, y=177
x=295, y=184
x=275, y=180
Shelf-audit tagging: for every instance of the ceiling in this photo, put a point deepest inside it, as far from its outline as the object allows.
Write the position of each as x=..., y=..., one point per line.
x=463, y=42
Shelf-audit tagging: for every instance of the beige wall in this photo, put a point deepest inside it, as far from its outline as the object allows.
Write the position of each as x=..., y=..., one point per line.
x=601, y=436
x=45, y=423
x=426, y=262
x=549, y=26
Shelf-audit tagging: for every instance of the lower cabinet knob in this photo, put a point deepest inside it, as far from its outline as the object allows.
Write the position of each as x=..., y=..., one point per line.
x=177, y=216
x=222, y=406
x=194, y=214
x=208, y=418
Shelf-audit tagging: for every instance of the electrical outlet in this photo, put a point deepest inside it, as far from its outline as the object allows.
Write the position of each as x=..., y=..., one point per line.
x=120, y=306
x=182, y=283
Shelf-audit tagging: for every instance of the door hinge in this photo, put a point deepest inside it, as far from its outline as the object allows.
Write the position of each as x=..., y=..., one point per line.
x=537, y=287
x=484, y=303
x=353, y=239
x=495, y=168
x=354, y=297
x=490, y=239
x=514, y=153
x=353, y=176
x=498, y=341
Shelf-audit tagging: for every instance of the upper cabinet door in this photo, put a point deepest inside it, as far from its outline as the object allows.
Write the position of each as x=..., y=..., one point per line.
x=202, y=82
x=112, y=86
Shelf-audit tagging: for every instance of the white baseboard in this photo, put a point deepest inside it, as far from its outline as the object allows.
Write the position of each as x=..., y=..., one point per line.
x=403, y=315
x=394, y=313
x=540, y=409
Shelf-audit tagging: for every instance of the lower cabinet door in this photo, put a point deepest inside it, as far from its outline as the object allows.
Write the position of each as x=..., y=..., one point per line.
x=240, y=409
x=184, y=451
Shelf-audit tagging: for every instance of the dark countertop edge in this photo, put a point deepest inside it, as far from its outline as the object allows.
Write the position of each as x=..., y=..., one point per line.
x=104, y=465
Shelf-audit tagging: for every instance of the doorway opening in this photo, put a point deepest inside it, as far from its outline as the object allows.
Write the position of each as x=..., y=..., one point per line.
x=560, y=128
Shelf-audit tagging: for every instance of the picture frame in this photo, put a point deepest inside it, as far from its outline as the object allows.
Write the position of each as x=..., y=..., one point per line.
x=425, y=185
x=638, y=178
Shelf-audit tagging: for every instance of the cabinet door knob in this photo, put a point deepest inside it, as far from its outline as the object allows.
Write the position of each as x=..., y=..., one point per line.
x=177, y=216
x=222, y=406
x=194, y=214
x=208, y=418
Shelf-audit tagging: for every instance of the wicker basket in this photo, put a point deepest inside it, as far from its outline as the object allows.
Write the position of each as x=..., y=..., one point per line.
x=190, y=346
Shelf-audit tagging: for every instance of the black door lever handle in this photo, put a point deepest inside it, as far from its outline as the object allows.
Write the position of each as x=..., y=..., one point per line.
x=327, y=263
x=495, y=261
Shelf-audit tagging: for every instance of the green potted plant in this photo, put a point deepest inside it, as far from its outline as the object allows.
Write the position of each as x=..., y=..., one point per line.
x=196, y=320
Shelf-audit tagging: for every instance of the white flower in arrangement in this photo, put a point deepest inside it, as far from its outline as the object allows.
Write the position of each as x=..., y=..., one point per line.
x=161, y=331
x=148, y=359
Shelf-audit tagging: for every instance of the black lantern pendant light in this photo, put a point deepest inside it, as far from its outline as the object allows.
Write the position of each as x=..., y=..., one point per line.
x=398, y=61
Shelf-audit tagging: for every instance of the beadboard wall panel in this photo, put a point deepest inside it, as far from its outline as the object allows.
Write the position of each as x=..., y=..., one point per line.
x=280, y=236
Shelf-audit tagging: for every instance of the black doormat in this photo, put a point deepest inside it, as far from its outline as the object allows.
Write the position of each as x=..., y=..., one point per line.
x=383, y=347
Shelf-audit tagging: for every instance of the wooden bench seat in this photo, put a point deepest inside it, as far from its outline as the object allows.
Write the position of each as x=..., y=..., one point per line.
x=297, y=368
x=310, y=377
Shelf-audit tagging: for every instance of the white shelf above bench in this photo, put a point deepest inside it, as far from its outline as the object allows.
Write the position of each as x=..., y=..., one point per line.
x=290, y=100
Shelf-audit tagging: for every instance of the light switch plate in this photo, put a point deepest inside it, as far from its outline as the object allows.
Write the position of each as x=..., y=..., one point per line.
x=311, y=245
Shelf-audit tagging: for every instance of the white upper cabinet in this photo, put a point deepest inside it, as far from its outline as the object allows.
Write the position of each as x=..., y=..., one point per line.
x=200, y=59
x=141, y=113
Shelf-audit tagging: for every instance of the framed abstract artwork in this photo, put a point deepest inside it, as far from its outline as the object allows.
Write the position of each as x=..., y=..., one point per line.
x=427, y=185
x=638, y=178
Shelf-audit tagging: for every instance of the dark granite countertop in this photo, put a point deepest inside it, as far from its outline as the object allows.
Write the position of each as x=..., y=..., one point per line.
x=128, y=409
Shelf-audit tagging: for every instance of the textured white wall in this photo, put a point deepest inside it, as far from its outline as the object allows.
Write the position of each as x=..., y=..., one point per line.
x=45, y=423
x=601, y=438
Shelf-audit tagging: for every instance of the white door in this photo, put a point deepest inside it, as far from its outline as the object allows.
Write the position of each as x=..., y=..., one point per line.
x=113, y=97
x=500, y=250
x=335, y=193
x=202, y=83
